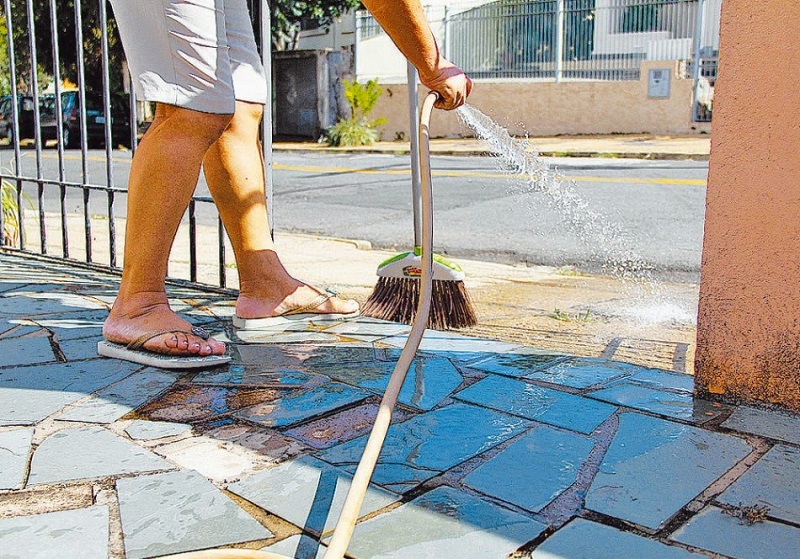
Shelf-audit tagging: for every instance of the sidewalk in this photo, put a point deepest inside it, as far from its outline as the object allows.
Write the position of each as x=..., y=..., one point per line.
x=497, y=448
x=642, y=146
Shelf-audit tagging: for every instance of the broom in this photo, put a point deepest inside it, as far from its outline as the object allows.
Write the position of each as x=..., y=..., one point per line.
x=397, y=291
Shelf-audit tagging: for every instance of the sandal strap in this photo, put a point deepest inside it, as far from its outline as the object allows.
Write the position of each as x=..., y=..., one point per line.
x=310, y=306
x=139, y=342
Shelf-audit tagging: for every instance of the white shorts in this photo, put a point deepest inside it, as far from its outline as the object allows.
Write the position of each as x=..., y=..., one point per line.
x=197, y=54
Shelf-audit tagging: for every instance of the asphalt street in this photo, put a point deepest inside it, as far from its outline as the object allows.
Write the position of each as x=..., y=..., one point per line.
x=597, y=213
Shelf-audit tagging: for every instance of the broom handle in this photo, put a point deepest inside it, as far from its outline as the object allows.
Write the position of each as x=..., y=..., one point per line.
x=358, y=489
x=416, y=183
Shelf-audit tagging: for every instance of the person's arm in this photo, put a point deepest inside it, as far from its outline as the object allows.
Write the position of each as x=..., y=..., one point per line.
x=405, y=22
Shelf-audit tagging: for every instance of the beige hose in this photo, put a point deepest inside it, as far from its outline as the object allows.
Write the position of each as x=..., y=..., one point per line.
x=358, y=489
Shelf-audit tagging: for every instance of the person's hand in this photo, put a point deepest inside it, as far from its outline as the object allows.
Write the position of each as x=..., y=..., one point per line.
x=450, y=82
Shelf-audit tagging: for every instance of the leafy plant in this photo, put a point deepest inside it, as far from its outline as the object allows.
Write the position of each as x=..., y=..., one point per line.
x=8, y=205
x=359, y=129
x=562, y=316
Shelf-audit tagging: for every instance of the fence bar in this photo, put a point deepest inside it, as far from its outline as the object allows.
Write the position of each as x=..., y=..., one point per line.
x=559, y=40
x=87, y=220
x=192, y=242
x=59, y=128
x=700, y=24
x=37, y=123
x=112, y=230
x=223, y=280
x=15, y=115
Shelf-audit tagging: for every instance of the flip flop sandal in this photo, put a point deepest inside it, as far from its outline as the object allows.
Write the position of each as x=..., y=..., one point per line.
x=135, y=352
x=304, y=312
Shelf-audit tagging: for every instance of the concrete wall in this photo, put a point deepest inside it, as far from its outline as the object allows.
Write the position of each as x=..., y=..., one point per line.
x=541, y=108
x=748, y=342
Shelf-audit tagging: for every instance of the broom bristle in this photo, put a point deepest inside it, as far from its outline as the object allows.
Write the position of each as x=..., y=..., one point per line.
x=395, y=299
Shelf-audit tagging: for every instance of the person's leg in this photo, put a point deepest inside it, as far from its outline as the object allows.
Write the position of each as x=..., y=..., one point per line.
x=234, y=171
x=164, y=174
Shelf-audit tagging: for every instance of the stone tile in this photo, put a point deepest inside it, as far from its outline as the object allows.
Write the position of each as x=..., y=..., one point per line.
x=429, y=444
x=537, y=403
x=25, y=351
x=582, y=372
x=656, y=378
x=175, y=512
x=220, y=461
x=716, y=531
x=79, y=349
x=266, y=442
x=201, y=403
x=307, y=492
x=15, y=447
x=113, y=402
x=256, y=377
x=517, y=364
x=18, y=329
x=75, y=325
x=443, y=341
x=298, y=547
x=31, y=303
x=302, y=404
x=654, y=467
x=30, y=394
x=142, y=430
x=773, y=481
x=680, y=405
x=343, y=426
x=428, y=381
x=444, y=523
x=773, y=424
x=369, y=331
x=534, y=470
x=89, y=452
x=582, y=538
x=71, y=534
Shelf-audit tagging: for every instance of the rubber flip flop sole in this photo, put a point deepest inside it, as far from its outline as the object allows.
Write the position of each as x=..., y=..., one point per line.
x=117, y=351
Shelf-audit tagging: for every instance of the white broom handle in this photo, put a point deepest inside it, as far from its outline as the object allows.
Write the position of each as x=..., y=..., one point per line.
x=413, y=114
x=358, y=489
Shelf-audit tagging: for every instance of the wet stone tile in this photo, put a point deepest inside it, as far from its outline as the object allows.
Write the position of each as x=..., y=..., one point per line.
x=428, y=381
x=307, y=492
x=368, y=331
x=534, y=470
x=583, y=372
x=274, y=358
x=32, y=303
x=71, y=534
x=444, y=523
x=770, y=482
x=654, y=467
x=582, y=538
x=25, y=351
x=75, y=325
x=15, y=446
x=282, y=379
x=29, y=394
x=141, y=430
x=298, y=547
x=656, y=378
x=516, y=364
x=84, y=348
x=17, y=329
x=113, y=402
x=722, y=533
x=343, y=426
x=89, y=452
x=428, y=444
x=773, y=424
x=175, y=512
x=443, y=341
x=295, y=406
x=680, y=405
x=537, y=403
x=263, y=441
x=202, y=403
x=267, y=337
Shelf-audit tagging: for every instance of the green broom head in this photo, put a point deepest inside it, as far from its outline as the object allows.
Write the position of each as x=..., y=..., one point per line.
x=408, y=265
x=397, y=292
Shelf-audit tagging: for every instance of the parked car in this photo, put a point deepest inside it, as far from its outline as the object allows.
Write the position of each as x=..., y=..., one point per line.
x=25, y=111
x=95, y=119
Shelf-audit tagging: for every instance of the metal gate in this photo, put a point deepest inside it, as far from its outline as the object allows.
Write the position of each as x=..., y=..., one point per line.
x=69, y=126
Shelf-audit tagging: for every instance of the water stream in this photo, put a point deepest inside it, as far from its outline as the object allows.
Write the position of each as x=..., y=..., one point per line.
x=607, y=241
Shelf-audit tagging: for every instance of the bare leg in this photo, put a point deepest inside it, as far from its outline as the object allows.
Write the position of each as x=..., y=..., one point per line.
x=234, y=171
x=163, y=177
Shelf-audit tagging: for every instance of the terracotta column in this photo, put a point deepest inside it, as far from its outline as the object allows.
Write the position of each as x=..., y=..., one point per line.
x=748, y=331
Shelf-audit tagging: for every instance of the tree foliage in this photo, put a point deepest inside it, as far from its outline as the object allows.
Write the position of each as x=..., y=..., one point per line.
x=286, y=16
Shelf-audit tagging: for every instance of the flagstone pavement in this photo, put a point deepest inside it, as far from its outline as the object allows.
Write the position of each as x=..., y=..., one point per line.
x=496, y=449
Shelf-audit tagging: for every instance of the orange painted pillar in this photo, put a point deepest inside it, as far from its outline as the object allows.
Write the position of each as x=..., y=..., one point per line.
x=748, y=330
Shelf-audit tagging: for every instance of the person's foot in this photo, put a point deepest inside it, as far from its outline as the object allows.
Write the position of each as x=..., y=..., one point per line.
x=142, y=314
x=298, y=296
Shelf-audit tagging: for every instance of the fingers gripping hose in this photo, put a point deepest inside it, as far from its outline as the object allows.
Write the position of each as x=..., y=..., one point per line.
x=358, y=489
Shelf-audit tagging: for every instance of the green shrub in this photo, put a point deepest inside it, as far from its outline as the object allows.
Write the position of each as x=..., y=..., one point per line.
x=8, y=205
x=358, y=130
